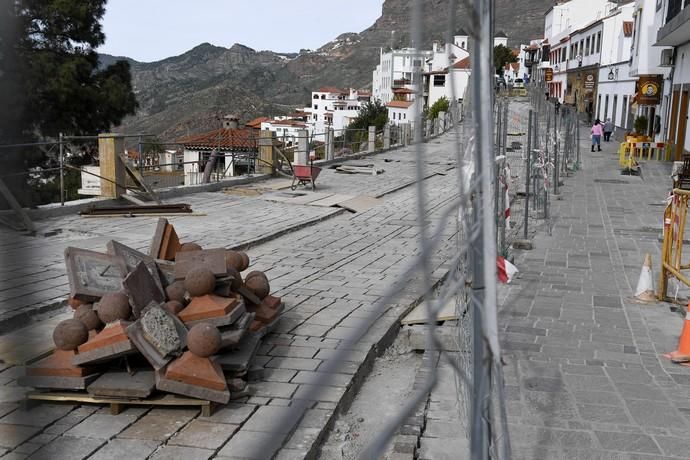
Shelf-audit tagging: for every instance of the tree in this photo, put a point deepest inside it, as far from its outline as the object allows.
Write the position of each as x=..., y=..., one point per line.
x=502, y=56
x=441, y=105
x=53, y=79
x=370, y=114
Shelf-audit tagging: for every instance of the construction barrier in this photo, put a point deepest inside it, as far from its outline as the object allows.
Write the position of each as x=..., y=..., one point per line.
x=629, y=153
x=675, y=216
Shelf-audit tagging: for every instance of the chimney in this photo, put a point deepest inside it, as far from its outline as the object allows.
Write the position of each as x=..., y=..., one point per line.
x=231, y=122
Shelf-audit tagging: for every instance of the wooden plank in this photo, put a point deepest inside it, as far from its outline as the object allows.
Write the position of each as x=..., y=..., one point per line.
x=360, y=203
x=419, y=314
x=331, y=200
x=85, y=398
x=134, y=200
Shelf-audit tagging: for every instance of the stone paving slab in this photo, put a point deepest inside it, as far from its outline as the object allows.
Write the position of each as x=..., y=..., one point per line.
x=329, y=275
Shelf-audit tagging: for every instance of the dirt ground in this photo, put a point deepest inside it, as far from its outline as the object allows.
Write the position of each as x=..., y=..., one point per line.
x=384, y=393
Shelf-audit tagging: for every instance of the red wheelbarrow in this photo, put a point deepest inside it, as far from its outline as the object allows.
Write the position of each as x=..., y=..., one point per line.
x=303, y=175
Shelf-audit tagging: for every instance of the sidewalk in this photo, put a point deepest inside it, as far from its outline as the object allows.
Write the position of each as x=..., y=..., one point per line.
x=329, y=275
x=584, y=375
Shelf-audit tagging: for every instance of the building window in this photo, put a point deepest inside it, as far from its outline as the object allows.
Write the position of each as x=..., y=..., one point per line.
x=581, y=48
x=404, y=116
x=587, y=47
x=599, y=108
x=599, y=42
x=439, y=80
x=316, y=96
x=316, y=117
x=316, y=107
x=323, y=96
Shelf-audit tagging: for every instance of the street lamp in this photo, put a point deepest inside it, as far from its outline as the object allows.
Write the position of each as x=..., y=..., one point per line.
x=579, y=60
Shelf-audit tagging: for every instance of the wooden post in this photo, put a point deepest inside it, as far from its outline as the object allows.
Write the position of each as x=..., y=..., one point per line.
x=110, y=146
x=266, y=154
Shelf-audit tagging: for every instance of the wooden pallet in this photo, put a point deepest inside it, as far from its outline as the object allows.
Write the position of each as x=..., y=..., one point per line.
x=117, y=405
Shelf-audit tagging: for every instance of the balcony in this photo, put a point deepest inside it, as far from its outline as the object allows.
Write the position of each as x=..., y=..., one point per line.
x=676, y=31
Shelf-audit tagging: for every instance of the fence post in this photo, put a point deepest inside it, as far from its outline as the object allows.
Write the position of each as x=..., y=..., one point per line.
x=528, y=170
x=504, y=140
x=266, y=152
x=302, y=154
x=372, y=139
x=441, y=122
x=330, y=144
x=555, y=153
x=62, y=172
x=386, y=136
x=429, y=129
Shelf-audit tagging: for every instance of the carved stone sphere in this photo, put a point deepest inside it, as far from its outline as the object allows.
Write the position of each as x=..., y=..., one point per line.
x=69, y=334
x=113, y=307
x=233, y=259
x=245, y=261
x=199, y=281
x=204, y=340
x=258, y=284
x=173, y=306
x=176, y=291
x=74, y=303
x=86, y=315
x=190, y=247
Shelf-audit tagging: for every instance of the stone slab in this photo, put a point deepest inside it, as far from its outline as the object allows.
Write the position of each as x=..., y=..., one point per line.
x=193, y=391
x=119, y=449
x=213, y=259
x=104, y=354
x=238, y=360
x=132, y=258
x=123, y=384
x=92, y=274
x=57, y=383
x=153, y=355
x=142, y=289
x=232, y=335
x=204, y=434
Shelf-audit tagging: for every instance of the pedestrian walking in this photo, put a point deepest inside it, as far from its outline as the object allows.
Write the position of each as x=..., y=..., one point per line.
x=597, y=131
x=608, y=129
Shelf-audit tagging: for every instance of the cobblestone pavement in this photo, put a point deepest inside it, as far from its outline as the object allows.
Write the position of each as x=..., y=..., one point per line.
x=585, y=376
x=32, y=277
x=329, y=275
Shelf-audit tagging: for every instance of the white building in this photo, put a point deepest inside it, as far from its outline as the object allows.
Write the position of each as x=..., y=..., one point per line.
x=286, y=129
x=334, y=108
x=615, y=86
x=673, y=20
x=646, y=59
x=397, y=69
x=450, y=82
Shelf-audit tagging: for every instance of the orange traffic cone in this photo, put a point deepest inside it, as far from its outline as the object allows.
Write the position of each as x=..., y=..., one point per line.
x=682, y=354
x=645, y=285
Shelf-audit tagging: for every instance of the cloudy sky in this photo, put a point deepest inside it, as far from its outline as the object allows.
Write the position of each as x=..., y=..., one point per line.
x=149, y=30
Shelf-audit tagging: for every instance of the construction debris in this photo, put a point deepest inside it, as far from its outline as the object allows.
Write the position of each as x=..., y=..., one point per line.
x=180, y=320
x=151, y=209
x=368, y=169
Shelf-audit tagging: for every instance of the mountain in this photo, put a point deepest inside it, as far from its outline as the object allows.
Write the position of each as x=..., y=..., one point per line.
x=186, y=94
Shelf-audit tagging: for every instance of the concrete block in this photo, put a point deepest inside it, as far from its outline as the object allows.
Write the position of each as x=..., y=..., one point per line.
x=158, y=335
x=142, y=289
x=118, y=449
x=213, y=259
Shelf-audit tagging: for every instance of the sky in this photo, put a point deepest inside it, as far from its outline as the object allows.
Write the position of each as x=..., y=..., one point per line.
x=150, y=30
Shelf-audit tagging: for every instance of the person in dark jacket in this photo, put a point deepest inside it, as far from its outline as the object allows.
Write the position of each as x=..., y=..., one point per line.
x=608, y=129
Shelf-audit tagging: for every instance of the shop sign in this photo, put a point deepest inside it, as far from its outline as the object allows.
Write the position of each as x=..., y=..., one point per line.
x=649, y=89
x=589, y=81
x=548, y=74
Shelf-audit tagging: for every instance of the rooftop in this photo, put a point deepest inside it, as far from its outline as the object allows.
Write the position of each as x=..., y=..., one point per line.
x=224, y=138
x=399, y=104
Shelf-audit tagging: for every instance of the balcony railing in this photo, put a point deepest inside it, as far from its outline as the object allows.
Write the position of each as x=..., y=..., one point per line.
x=674, y=7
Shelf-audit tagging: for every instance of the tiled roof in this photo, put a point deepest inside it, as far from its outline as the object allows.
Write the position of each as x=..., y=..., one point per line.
x=331, y=89
x=299, y=114
x=627, y=28
x=463, y=64
x=236, y=139
x=403, y=91
x=256, y=122
x=399, y=104
x=296, y=123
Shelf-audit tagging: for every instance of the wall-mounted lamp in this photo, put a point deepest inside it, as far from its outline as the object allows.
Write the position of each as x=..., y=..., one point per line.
x=611, y=75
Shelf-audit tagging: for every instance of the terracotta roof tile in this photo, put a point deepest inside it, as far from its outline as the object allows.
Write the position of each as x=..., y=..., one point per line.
x=331, y=89
x=463, y=64
x=239, y=139
x=399, y=104
x=256, y=122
